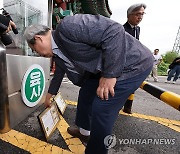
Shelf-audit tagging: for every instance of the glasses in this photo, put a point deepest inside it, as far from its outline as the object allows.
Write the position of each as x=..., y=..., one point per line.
x=138, y=14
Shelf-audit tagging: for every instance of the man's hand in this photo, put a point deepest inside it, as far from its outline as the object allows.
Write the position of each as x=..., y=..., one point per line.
x=47, y=102
x=11, y=24
x=178, y=60
x=106, y=85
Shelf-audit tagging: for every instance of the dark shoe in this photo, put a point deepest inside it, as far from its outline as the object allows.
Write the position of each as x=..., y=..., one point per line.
x=74, y=131
x=126, y=110
x=128, y=106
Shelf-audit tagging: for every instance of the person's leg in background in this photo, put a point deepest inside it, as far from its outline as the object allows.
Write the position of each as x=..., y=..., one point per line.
x=128, y=105
x=171, y=73
x=149, y=76
x=177, y=73
x=154, y=73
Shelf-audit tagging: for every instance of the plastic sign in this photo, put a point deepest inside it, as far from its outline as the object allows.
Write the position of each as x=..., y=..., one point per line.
x=33, y=85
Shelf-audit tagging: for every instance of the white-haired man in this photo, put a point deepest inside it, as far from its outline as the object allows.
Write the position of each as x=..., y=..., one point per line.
x=135, y=15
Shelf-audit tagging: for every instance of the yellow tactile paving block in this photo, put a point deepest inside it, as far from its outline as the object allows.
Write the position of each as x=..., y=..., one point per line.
x=74, y=144
x=36, y=146
x=31, y=144
x=70, y=102
x=173, y=124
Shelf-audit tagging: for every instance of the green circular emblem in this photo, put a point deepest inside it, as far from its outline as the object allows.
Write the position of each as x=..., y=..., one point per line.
x=33, y=85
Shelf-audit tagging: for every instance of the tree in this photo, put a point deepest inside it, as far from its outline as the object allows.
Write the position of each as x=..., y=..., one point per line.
x=170, y=56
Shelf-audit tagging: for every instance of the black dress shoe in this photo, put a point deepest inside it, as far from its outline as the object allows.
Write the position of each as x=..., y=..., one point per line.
x=74, y=131
x=128, y=106
x=127, y=110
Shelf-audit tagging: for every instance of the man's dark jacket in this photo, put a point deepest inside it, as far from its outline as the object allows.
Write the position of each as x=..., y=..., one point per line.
x=4, y=23
x=97, y=44
x=131, y=31
x=174, y=63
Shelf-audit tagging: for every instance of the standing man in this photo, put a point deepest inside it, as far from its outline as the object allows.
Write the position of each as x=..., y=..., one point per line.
x=135, y=15
x=157, y=61
x=95, y=53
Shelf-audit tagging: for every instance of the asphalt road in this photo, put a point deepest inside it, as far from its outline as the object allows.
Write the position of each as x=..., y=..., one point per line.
x=143, y=103
x=153, y=128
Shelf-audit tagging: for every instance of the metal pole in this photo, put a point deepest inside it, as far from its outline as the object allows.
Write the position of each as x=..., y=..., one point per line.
x=4, y=102
x=168, y=97
x=50, y=11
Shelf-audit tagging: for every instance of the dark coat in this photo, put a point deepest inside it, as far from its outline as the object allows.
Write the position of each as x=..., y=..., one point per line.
x=131, y=31
x=174, y=63
x=98, y=44
x=4, y=23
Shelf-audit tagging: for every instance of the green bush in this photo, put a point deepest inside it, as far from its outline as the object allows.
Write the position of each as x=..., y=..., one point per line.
x=162, y=68
x=167, y=60
x=169, y=57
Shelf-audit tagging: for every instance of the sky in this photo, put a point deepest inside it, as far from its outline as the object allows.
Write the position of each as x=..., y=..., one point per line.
x=160, y=24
